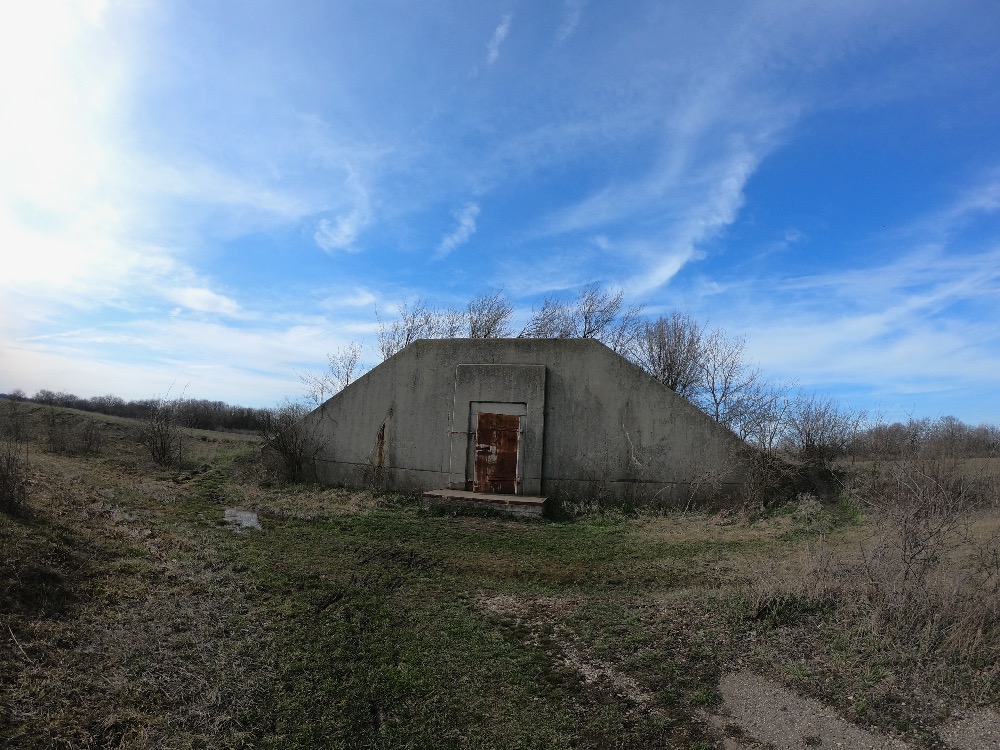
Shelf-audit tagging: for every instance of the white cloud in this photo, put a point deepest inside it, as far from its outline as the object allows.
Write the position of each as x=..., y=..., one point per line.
x=349, y=297
x=466, y=219
x=343, y=231
x=493, y=48
x=602, y=241
x=898, y=330
x=574, y=9
x=341, y=234
x=543, y=273
x=717, y=208
x=201, y=299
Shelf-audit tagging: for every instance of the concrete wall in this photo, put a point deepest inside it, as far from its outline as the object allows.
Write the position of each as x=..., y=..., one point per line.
x=607, y=428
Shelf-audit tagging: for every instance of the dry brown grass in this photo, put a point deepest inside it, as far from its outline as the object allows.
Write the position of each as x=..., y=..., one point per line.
x=115, y=629
x=123, y=623
x=900, y=611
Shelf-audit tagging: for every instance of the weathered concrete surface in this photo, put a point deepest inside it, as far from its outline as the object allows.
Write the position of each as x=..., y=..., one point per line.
x=517, y=504
x=240, y=519
x=596, y=424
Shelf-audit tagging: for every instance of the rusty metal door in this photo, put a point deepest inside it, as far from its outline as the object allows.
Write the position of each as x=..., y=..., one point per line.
x=496, y=469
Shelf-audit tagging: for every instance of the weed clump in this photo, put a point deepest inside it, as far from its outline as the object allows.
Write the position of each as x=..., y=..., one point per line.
x=920, y=596
x=928, y=587
x=13, y=459
x=68, y=435
x=13, y=477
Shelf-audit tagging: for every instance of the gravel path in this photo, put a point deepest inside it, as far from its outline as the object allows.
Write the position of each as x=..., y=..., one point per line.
x=976, y=731
x=770, y=715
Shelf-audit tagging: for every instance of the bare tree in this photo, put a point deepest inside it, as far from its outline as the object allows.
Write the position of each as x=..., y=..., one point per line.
x=159, y=432
x=594, y=314
x=726, y=379
x=764, y=415
x=596, y=311
x=554, y=320
x=625, y=333
x=415, y=321
x=670, y=349
x=343, y=366
x=819, y=429
x=488, y=316
x=448, y=323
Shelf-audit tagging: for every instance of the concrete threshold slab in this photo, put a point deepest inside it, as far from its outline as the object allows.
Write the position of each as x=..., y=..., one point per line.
x=519, y=504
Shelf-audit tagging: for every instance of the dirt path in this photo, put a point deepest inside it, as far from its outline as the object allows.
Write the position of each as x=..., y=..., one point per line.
x=767, y=712
x=757, y=711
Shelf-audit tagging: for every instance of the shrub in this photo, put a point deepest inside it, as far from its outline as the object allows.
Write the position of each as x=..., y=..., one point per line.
x=160, y=432
x=13, y=458
x=910, y=593
x=289, y=450
x=90, y=437
x=13, y=476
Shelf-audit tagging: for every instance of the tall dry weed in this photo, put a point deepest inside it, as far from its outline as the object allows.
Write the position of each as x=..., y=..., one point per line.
x=13, y=458
x=927, y=587
x=920, y=594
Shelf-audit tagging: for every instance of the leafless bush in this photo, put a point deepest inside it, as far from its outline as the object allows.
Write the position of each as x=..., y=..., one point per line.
x=290, y=449
x=769, y=481
x=13, y=476
x=920, y=597
x=160, y=431
x=66, y=433
x=820, y=430
x=926, y=585
x=57, y=431
x=946, y=437
x=925, y=592
x=90, y=436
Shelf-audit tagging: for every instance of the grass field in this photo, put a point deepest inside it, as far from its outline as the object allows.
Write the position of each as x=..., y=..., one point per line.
x=132, y=616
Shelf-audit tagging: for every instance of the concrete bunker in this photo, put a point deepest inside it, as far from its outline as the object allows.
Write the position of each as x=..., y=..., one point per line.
x=511, y=421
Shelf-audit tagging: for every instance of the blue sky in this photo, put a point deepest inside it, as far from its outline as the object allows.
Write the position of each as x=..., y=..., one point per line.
x=218, y=194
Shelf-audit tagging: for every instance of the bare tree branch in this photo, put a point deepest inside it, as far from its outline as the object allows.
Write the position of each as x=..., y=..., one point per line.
x=670, y=349
x=342, y=367
x=594, y=314
x=726, y=380
x=488, y=316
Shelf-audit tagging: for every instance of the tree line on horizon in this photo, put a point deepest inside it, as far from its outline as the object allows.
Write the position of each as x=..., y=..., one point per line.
x=199, y=414
x=707, y=367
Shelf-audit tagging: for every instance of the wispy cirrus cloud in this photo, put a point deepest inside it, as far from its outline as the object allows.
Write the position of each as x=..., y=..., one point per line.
x=202, y=299
x=499, y=34
x=466, y=218
x=342, y=232
x=573, y=12
x=921, y=323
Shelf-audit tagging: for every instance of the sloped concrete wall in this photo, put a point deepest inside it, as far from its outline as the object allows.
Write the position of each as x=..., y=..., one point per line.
x=609, y=429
